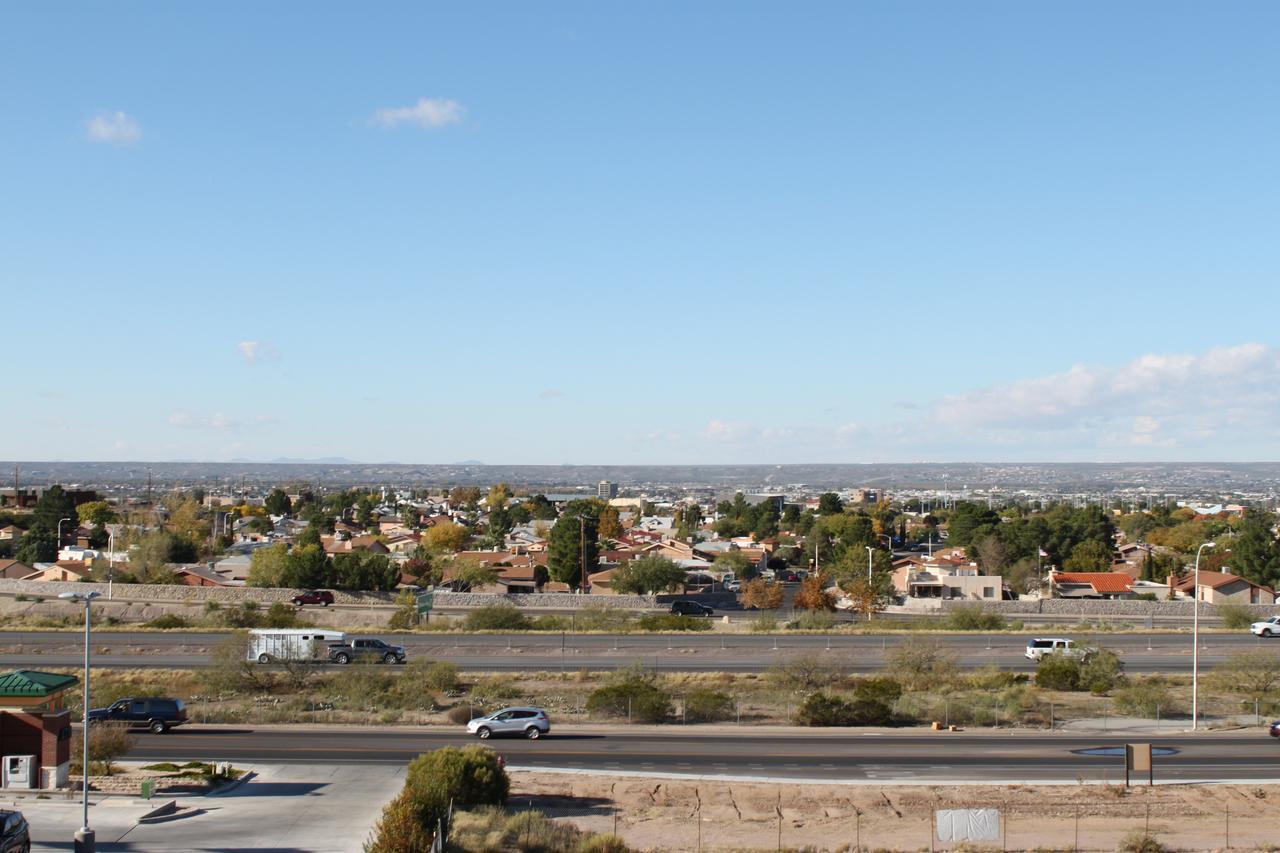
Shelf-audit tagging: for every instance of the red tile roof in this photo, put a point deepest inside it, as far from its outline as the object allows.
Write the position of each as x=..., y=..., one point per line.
x=1103, y=583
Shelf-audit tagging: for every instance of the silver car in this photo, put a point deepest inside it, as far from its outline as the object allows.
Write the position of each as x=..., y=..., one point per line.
x=533, y=723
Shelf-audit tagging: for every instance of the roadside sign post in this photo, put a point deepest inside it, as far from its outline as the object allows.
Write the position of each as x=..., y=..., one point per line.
x=1137, y=758
x=425, y=601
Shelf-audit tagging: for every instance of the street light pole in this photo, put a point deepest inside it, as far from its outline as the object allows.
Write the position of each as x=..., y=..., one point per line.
x=870, y=551
x=1195, y=639
x=85, y=840
x=60, y=532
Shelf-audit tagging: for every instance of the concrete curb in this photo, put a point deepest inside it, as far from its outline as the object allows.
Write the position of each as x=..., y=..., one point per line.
x=863, y=783
x=231, y=786
x=159, y=812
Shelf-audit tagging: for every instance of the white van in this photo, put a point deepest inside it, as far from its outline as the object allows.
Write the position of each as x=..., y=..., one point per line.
x=291, y=644
x=1038, y=648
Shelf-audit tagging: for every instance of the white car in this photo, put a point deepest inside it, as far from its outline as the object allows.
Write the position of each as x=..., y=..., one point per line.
x=1268, y=628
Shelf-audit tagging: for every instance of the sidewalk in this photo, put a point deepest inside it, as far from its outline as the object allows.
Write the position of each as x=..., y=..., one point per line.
x=284, y=807
x=1172, y=726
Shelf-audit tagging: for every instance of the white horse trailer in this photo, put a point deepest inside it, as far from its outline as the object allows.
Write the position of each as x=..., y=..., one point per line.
x=291, y=644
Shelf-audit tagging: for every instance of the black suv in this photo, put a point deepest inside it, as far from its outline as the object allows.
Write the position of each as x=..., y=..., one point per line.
x=690, y=608
x=158, y=715
x=15, y=835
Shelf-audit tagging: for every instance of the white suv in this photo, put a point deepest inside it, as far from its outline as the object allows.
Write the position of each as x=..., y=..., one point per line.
x=1038, y=648
x=1268, y=628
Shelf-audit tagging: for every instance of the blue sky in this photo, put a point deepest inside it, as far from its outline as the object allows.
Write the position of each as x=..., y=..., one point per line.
x=659, y=232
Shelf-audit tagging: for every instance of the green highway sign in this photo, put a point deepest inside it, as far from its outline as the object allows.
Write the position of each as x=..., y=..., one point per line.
x=425, y=601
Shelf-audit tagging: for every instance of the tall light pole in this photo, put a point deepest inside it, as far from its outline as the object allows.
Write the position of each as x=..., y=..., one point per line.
x=84, y=838
x=870, y=551
x=1195, y=639
x=60, y=534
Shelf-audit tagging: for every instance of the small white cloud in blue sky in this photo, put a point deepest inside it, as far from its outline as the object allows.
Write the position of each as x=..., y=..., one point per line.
x=114, y=128
x=427, y=112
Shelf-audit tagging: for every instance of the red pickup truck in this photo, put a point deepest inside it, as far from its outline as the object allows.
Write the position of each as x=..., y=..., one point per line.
x=313, y=596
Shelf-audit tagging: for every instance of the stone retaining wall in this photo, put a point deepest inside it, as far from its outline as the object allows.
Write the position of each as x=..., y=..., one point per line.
x=265, y=596
x=1101, y=607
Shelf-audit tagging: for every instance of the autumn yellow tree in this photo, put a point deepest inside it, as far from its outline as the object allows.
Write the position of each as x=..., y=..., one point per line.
x=446, y=536
x=759, y=594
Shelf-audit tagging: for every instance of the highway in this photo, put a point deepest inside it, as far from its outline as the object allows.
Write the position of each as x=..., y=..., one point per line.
x=862, y=756
x=1141, y=653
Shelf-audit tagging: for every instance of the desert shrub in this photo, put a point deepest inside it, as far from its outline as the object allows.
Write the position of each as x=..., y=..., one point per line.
x=244, y=616
x=440, y=676
x=230, y=672
x=633, y=693
x=805, y=672
x=460, y=714
x=991, y=678
x=598, y=617
x=405, y=616
x=497, y=617
x=673, y=622
x=822, y=709
x=973, y=617
x=107, y=742
x=1143, y=700
x=463, y=778
x=1254, y=674
x=1235, y=616
x=878, y=689
x=705, y=705
x=551, y=623
x=281, y=615
x=764, y=623
x=814, y=620
x=1138, y=841
x=1058, y=672
x=495, y=688
x=492, y=829
x=921, y=663
x=1100, y=671
x=167, y=620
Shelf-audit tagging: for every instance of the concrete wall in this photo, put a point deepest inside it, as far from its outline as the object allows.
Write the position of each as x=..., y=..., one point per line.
x=1099, y=607
x=234, y=595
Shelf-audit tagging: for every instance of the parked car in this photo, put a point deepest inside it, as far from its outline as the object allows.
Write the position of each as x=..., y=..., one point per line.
x=15, y=835
x=1274, y=729
x=313, y=596
x=733, y=586
x=1267, y=628
x=158, y=715
x=367, y=649
x=788, y=576
x=533, y=723
x=690, y=608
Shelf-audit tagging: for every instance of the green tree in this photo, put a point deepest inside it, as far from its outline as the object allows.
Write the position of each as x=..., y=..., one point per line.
x=572, y=549
x=364, y=510
x=362, y=570
x=829, y=503
x=149, y=559
x=37, y=545
x=733, y=561
x=278, y=502
x=269, y=566
x=471, y=574
x=1089, y=556
x=967, y=518
x=1255, y=554
x=688, y=520
x=54, y=505
x=648, y=574
x=96, y=514
x=308, y=568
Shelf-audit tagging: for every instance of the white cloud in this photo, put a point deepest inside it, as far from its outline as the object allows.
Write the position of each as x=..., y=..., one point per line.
x=427, y=112
x=216, y=421
x=1245, y=376
x=254, y=352
x=115, y=128
x=551, y=393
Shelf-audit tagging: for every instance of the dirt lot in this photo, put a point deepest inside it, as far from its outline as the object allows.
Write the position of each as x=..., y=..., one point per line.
x=656, y=814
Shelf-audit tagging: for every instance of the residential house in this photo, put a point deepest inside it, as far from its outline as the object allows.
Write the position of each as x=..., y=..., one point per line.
x=14, y=570
x=1090, y=585
x=938, y=580
x=63, y=571
x=9, y=533
x=199, y=574
x=1221, y=588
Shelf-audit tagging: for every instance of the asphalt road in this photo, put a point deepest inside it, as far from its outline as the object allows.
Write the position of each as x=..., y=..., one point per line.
x=884, y=757
x=1142, y=653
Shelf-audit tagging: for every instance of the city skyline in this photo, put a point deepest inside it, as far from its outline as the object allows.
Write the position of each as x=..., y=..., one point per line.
x=578, y=235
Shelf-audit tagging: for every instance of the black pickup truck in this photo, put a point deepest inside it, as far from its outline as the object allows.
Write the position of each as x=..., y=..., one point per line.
x=369, y=649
